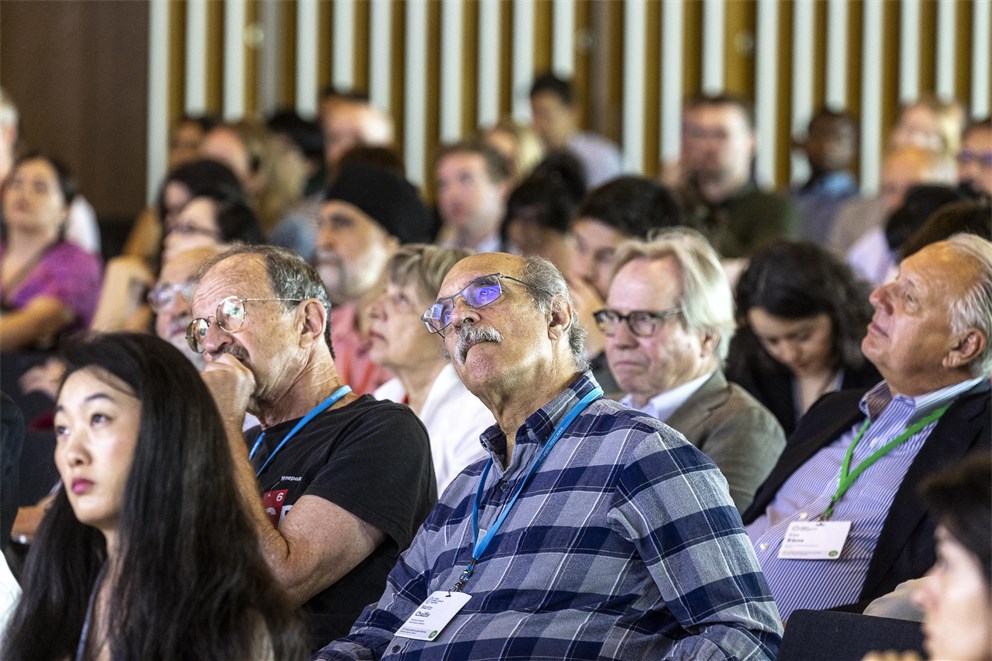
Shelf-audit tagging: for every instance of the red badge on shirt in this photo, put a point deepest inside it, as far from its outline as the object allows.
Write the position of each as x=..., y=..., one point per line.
x=275, y=507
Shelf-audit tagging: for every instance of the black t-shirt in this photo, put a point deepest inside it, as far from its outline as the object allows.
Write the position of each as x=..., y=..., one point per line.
x=369, y=458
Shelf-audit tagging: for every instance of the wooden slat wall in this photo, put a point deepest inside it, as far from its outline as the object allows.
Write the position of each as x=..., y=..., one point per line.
x=442, y=67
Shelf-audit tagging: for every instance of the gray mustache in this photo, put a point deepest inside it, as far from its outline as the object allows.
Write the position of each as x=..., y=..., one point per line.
x=472, y=335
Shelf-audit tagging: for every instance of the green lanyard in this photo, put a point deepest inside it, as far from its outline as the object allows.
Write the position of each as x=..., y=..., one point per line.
x=847, y=478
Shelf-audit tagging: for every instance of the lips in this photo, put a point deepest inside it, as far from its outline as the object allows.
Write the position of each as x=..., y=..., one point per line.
x=80, y=485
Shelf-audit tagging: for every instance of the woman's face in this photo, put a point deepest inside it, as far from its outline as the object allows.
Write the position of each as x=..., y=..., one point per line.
x=193, y=227
x=96, y=429
x=954, y=596
x=399, y=339
x=175, y=196
x=918, y=126
x=32, y=198
x=804, y=345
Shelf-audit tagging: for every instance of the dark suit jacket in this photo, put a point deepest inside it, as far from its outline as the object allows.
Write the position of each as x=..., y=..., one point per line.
x=905, y=547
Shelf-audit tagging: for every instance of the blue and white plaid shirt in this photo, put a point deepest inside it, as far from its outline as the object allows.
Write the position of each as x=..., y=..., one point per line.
x=625, y=545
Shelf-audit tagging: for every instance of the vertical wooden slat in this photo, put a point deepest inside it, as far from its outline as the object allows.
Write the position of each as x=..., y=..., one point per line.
x=766, y=84
x=234, y=59
x=672, y=58
x=928, y=47
x=803, y=15
x=196, y=56
x=836, y=56
x=415, y=106
x=380, y=61
x=909, y=50
x=871, y=99
x=215, y=57
x=523, y=58
x=470, y=63
x=714, y=38
x=158, y=95
x=740, y=20
x=269, y=64
x=307, y=56
x=634, y=75
x=451, y=72
x=489, y=61
x=343, y=44
x=944, y=86
x=980, y=46
x=652, y=89
x=563, y=39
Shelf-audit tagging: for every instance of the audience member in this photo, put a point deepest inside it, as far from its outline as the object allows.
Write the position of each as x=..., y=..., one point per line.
x=956, y=594
x=211, y=221
x=299, y=145
x=971, y=217
x=473, y=181
x=975, y=159
x=556, y=117
x=801, y=318
x=618, y=542
x=345, y=497
x=929, y=123
x=825, y=541
x=145, y=540
x=830, y=146
x=49, y=287
x=874, y=256
x=367, y=213
x=348, y=119
x=668, y=325
x=901, y=168
x=185, y=137
x=425, y=380
x=719, y=193
x=81, y=226
x=519, y=145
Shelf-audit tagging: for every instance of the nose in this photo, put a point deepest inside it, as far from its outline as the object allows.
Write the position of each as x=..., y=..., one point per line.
x=622, y=336
x=880, y=296
x=73, y=448
x=376, y=308
x=462, y=312
x=215, y=340
x=789, y=353
x=326, y=237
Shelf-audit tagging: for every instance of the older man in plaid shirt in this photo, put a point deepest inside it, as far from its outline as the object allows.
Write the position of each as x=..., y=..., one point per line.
x=592, y=532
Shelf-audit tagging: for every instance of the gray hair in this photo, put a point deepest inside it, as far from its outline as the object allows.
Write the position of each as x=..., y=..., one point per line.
x=424, y=265
x=549, y=289
x=707, y=301
x=290, y=277
x=973, y=309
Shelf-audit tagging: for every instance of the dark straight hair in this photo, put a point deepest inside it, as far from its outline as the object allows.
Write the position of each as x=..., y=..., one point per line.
x=191, y=582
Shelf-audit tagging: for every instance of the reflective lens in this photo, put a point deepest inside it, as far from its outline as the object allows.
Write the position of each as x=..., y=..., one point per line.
x=165, y=294
x=642, y=323
x=479, y=293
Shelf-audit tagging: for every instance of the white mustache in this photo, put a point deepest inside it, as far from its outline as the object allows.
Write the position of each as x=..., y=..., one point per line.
x=469, y=336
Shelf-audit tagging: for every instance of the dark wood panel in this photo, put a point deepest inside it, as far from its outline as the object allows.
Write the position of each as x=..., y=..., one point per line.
x=78, y=72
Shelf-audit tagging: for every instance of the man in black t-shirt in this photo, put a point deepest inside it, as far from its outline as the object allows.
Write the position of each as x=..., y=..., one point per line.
x=345, y=480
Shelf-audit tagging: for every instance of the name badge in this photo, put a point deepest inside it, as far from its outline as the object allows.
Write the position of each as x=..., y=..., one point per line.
x=433, y=615
x=814, y=540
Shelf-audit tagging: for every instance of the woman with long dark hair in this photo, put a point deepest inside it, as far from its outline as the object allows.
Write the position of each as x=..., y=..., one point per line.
x=801, y=318
x=144, y=552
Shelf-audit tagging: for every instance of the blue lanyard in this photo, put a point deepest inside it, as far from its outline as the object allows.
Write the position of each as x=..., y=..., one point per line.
x=480, y=546
x=314, y=412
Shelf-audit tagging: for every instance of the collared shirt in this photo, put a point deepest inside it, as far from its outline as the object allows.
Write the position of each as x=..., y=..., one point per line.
x=624, y=545
x=819, y=200
x=820, y=584
x=663, y=405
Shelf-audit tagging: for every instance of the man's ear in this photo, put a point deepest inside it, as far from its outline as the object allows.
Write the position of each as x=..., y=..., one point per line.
x=967, y=349
x=560, y=317
x=311, y=319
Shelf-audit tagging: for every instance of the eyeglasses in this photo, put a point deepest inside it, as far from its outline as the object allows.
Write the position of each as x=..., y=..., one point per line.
x=230, y=316
x=165, y=294
x=966, y=156
x=642, y=323
x=479, y=293
x=188, y=230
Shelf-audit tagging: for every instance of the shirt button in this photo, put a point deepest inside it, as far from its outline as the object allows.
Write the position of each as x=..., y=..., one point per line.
x=396, y=648
x=804, y=516
x=763, y=546
x=504, y=486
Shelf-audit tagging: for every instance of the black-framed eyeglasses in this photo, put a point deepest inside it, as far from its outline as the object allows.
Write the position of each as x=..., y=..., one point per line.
x=642, y=323
x=165, y=294
x=966, y=156
x=230, y=316
x=479, y=293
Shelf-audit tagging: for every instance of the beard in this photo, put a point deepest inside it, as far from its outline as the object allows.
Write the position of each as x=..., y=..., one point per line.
x=333, y=273
x=469, y=336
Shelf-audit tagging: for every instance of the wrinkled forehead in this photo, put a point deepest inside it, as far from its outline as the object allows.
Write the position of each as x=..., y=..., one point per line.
x=242, y=275
x=475, y=266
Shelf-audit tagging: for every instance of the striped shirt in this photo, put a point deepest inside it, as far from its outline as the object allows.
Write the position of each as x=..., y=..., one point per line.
x=624, y=545
x=820, y=584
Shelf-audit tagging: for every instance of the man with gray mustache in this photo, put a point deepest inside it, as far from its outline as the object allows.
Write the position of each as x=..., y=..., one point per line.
x=592, y=531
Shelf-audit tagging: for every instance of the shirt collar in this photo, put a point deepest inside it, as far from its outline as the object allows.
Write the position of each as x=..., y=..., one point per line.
x=663, y=405
x=539, y=426
x=880, y=397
